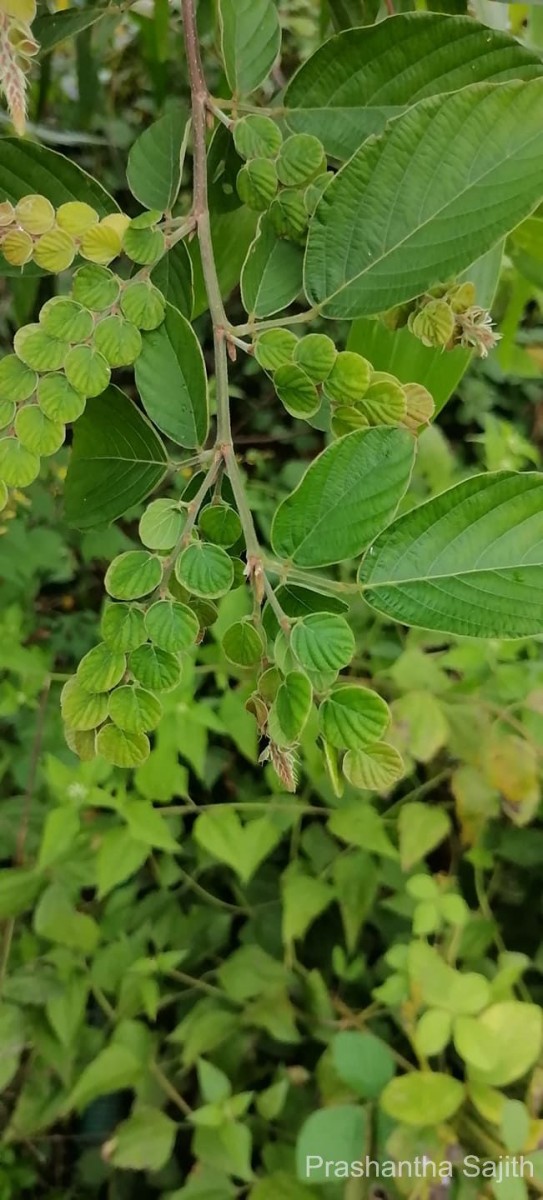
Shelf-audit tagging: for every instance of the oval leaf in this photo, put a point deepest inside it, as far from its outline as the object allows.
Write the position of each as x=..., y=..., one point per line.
x=367, y=252
x=357, y=81
x=422, y=1098
x=155, y=161
x=250, y=41
x=470, y=561
x=345, y=497
x=272, y=275
x=171, y=380
x=352, y=718
x=117, y=459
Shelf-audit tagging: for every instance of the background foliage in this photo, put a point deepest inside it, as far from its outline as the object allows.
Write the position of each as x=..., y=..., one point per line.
x=204, y=977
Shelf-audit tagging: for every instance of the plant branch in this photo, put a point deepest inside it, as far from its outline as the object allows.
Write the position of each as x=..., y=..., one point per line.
x=253, y=327
x=201, y=103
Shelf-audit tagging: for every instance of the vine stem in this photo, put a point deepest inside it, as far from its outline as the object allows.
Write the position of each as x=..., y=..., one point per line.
x=201, y=104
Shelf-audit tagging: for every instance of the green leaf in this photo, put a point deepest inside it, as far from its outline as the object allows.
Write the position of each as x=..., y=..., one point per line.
x=173, y=275
x=133, y=574
x=322, y=642
x=27, y=168
x=171, y=626
x=123, y=627
x=66, y=1009
x=52, y=29
x=360, y=825
x=345, y=497
x=366, y=253
x=12, y=1041
x=119, y=857
x=214, y=1084
x=156, y=669
x=205, y=570
x=134, y=709
x=422, y=1098
x=356, y=82
x=171, y=380
x=304, y=899
x=113, y=1069
x=272, y=274
x=479, y=1047
x=469, y=561
x=278, y=1184
x=518, y=1029
x=56, y=919
x=433, y=1032
x=441, y=986
x=18, y=890
x=148, y=825
x=290, y=711
x=352, y=718
x=334, y=1134
x=296, y=391
x=515, y=1125
x=250, y=42
x=101, y=668
x=117, y=459
x=421, y=828
x=59, y=832
x=403, y=355
x=122, y=749
x=155, y=161
x=144, y=1142
x=220, y=524
x=242, y=644
x=161, y=524
x=363, y=1062
x=374, y=769
x=242, y=847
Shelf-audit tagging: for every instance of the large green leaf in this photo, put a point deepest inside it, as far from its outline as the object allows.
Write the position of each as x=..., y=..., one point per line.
x=50, y=29
x=349, y=493
x=470, y=561
x=155, y=161
x=171, y=380
x=272, y=275
x=357, y=81
x=334, y=1133
x=26, y=167
x=173, y=274
x=250, y=41
x=117, y=459
x=400, y=352
x=423, y=201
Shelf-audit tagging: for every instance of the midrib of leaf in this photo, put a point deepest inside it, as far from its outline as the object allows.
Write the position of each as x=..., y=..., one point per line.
x=437, y=212
x=475, y=570
x=369, y=587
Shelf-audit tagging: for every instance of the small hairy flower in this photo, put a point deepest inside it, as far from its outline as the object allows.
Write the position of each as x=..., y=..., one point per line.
x=284, y=764
x=17, y=46
x=475, y=327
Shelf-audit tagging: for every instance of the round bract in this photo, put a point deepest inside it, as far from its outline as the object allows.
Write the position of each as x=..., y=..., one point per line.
x=133, y=574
